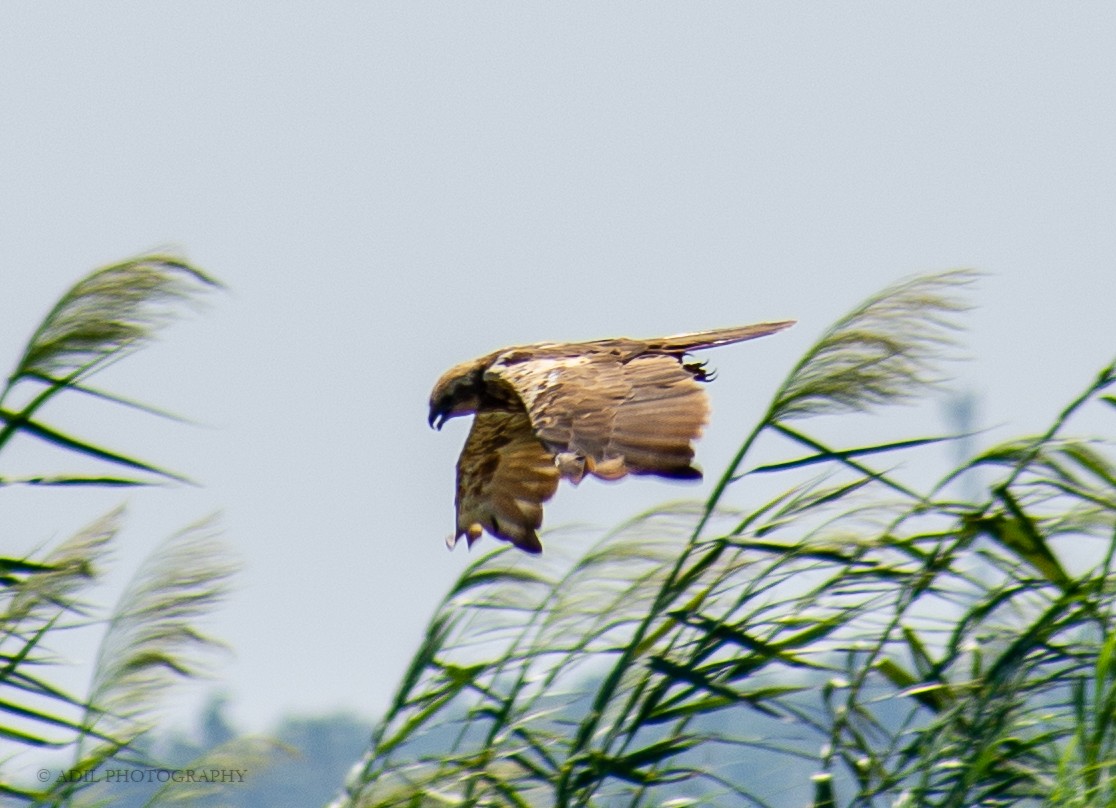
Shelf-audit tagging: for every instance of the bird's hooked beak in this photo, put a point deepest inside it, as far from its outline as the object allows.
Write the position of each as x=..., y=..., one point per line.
x=438, y=416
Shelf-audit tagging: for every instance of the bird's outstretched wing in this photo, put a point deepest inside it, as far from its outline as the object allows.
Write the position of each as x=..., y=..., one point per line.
x=504, y=475
x=605, y=414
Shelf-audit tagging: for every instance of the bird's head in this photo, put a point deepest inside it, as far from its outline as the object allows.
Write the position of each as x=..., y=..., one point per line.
x=457, y=392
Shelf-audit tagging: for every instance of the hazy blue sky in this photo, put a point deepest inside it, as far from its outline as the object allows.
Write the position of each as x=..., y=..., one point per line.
x=388, y=189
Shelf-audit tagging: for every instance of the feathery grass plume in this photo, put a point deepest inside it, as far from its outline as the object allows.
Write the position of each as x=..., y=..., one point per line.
x=112, y=310
x=103, y=317
x=33, y=712
x=152, y=638
x=69, y=568
x=885, y=350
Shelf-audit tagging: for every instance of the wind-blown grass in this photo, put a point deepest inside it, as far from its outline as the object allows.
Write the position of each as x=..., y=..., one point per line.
x=152, y=638
x=851, y=642
x=111, y=311
x=109, y=314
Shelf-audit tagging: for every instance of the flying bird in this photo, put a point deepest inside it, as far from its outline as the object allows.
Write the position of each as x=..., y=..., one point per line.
x=563, y=410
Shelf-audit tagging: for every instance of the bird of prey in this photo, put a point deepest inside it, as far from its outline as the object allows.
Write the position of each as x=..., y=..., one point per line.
x=551, y=410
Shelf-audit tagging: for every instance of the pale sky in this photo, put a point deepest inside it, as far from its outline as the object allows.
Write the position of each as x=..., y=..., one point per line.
x=388, y=189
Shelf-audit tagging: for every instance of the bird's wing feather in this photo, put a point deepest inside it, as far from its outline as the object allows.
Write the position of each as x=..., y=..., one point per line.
x=610, y=417
x=679, y=344
x=504, y=475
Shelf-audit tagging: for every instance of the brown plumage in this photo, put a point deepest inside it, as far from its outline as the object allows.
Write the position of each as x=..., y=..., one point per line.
x=607, y=408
